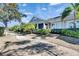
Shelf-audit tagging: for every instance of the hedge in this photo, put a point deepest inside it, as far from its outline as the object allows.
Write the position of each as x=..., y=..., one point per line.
x=67, y=32
x=43, y=31
x=70, y=33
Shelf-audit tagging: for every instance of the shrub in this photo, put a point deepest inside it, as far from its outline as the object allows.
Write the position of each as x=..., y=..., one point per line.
x=28, y=28
x=15, y=28
x=1, y=31
x=23, y=28
x=43, y=31
x=67, y=32
x=57, y=31
x=70, y=33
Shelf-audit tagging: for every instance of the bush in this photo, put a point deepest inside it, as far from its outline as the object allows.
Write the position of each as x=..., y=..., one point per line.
x=1, y=31
x=57, y=31
x=43, y=31
x=28, y=28
x=23, y=28
x=70, y=33
x=15, y=28
x=66, y=32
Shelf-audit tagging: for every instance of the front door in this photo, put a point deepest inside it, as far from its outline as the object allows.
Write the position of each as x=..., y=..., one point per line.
x=40, y=26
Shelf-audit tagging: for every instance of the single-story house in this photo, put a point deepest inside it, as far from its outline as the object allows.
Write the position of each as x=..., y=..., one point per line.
x=55, y=23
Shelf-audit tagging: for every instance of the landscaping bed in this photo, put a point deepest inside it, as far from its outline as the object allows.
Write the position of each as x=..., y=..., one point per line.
x=29, y=28
x=67, y=32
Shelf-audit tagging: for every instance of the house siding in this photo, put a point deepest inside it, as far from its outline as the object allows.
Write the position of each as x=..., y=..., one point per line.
x=65, y=25
x=56, y=23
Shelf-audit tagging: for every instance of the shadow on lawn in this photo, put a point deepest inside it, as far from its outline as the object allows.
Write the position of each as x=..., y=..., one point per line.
x=69, y=39
x=40, y=36
x=9, y=43
x=31, y=50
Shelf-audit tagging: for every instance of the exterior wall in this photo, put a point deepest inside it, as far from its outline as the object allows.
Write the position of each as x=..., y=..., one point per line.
x=66, y=24
x=57, y=24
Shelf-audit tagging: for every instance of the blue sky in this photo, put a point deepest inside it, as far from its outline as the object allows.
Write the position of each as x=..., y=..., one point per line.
x=40, y=10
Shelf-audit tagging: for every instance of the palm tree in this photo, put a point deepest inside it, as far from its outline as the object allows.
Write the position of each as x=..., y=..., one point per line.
x=74, y=7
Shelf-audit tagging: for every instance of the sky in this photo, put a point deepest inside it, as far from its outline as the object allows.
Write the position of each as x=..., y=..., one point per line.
x=40, y=10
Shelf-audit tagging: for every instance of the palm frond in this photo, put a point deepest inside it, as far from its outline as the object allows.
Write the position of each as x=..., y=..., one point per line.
x=66, y=12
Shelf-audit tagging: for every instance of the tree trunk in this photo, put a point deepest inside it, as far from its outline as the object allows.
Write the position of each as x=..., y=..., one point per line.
x=74, y=21
x=62, y=25
x=6, y=29
x=74, y=25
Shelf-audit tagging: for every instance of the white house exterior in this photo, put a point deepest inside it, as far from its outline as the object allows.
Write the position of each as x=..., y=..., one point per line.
x=55, y=23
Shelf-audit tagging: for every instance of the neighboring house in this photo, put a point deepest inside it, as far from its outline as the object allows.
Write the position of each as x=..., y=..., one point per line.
x=54, y=23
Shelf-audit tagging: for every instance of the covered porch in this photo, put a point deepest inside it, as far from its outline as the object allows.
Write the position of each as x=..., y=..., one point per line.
x=47, y=25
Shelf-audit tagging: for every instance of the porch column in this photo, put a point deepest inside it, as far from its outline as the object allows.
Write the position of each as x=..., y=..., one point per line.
x=50, y=25
x=44, y=26
x=37, y=26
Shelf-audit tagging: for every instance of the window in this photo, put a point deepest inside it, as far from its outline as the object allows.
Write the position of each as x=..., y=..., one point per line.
x=40, y=26
x=53, y=24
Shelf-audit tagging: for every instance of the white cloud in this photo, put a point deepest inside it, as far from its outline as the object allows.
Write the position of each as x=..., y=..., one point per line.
x=22, y=10
x=43, y=8
x=25, y=20
x=51, y=4
x=58, y=10
x=24, y=4
x=29, y=13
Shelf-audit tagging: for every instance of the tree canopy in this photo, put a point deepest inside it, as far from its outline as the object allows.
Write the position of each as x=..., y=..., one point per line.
x=9, y=11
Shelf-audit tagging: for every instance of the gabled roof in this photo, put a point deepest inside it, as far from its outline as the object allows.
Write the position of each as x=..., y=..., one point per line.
x=35, y=19
x=58, y=18
x=55, y=19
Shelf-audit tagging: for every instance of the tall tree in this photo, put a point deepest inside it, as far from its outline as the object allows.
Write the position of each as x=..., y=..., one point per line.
x=74, y=7
x=9, y=12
